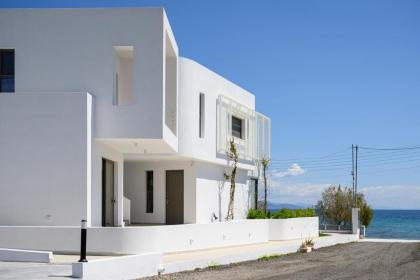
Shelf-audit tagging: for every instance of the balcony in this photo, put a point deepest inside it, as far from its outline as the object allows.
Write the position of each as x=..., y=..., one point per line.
x=251, y=130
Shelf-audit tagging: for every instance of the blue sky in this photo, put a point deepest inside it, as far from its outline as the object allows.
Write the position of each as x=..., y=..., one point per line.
x=328, y=73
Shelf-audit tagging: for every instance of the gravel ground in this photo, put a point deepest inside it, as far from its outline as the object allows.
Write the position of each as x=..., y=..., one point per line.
x=367, y=260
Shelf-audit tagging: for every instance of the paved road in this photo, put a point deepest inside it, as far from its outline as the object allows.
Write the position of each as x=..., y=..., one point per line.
x=30, y=271
x=365, y=260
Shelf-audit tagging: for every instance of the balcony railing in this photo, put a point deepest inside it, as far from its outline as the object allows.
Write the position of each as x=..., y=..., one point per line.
x=255, y=141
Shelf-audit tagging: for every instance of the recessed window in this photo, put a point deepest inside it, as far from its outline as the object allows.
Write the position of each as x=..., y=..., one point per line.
x=7, y=70
x=201, y=115
x=237, y=127
x=149, y=191
x=124, y=94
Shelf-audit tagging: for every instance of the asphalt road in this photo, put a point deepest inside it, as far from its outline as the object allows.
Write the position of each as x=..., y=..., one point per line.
x=364, y=260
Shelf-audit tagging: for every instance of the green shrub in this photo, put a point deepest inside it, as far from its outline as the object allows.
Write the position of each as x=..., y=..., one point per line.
x=269, y=257
x=289, y=213
x=256, y=214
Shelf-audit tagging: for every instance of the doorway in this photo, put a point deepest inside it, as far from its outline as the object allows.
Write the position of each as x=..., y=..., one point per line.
x=174, y=197
x=108, y=193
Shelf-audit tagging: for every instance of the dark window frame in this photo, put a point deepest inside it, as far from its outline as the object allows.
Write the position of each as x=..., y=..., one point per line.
x=238, y=133
x=3, y=75
x=149, y=191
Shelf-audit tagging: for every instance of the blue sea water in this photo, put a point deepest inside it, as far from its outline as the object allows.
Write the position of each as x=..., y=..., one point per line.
x=395, y=224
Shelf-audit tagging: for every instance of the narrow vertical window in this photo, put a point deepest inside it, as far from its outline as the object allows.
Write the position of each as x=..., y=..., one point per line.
x=7, y=70
x=202, y=110
x=149, y=191
x=124, y=94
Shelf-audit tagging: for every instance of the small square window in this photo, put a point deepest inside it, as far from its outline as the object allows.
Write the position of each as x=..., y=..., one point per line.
x=237, y=127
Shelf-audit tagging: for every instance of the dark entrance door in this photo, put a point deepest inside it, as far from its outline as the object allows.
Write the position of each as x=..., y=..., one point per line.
x=174, y=197
x=108, y=193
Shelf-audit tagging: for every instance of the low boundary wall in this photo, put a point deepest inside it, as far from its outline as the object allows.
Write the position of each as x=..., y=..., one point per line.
x=149, y=239
x=126, y=267
x=294, y=228
x=15, y=255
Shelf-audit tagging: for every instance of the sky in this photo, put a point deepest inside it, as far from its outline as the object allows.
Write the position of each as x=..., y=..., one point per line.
x=329, y=74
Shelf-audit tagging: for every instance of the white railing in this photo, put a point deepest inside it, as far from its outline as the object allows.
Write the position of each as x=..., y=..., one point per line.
x=255, y=142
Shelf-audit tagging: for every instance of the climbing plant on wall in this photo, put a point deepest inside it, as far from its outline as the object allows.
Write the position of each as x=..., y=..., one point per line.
x=233, y=156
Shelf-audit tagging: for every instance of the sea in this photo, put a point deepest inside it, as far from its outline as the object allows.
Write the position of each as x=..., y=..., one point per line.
x=394, y=224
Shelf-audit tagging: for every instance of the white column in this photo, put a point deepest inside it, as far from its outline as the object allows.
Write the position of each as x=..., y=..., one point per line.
x=355, y=220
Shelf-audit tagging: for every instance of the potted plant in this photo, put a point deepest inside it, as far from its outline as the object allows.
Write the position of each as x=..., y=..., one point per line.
x=307, y=246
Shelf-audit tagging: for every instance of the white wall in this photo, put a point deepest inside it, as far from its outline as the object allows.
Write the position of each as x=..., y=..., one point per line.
x=212, y=193
x=45, y=158
x=136, y=240
x=287, y=229
x=148, y=239
x=135, y=189
x=72, y=50
x=193, y=80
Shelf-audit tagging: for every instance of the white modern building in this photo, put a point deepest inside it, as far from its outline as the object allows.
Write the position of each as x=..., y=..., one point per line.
x=101, y=119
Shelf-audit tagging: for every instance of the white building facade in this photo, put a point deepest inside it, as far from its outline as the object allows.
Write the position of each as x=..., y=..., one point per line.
x=101, y=119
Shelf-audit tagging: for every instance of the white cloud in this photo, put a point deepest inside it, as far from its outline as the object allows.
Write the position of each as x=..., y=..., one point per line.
x=295, y=192
x=392, y=196
x=293, y=170
x=378, y=197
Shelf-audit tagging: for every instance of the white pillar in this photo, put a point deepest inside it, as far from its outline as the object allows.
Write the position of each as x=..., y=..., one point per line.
x=355, y=220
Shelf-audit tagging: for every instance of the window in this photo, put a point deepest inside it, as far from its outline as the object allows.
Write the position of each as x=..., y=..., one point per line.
x=201, y=115
x=7, y=70
x=124, y=75
x=237, y=130
x=149, y=191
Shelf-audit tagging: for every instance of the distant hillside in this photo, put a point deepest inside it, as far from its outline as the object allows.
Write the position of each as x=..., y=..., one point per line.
x=285, y=205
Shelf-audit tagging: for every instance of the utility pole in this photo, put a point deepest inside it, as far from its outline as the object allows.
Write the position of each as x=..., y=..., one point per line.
x=354, y=161
x=353, y=174
x=355, y=184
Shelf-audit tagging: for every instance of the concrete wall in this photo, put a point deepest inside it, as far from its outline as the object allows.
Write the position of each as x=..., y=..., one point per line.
x=212, y=193
x=135, y=190
x=136, y=240
x=145, y=239
x=193, y=80
x=286, y=229
x=45, y=158
x=72, y=50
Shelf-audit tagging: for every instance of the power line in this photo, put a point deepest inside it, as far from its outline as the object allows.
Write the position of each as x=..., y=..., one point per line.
x=391, y=149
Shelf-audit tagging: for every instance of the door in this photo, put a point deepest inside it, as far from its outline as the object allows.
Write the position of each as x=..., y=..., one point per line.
x=174, y=197
x=108, y=193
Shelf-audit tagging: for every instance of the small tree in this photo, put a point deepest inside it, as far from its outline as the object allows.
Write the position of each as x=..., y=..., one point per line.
x=366, y=213
x=265, y=162
x=233, y=155
x=336, y=203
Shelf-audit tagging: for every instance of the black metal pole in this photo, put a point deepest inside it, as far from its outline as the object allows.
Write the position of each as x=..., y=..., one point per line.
x=83, y=237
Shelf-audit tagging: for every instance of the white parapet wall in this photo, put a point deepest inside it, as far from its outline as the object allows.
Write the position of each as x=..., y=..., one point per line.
x=137, y=240
x=161, y=238
x=126, y=267
x=294, y=228
x=15, y=255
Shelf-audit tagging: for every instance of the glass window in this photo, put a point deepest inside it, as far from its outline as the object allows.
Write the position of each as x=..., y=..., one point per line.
x=149, y=191
x=7, y=70
x=237, y=127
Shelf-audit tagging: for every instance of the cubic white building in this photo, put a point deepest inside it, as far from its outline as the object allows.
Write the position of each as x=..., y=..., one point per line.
x=101, y=119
